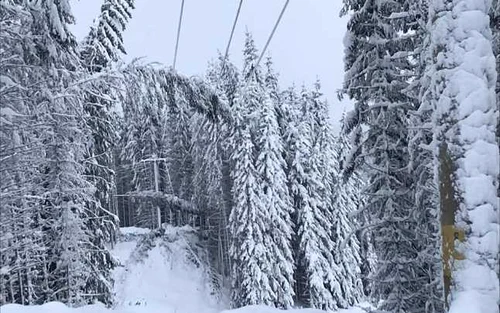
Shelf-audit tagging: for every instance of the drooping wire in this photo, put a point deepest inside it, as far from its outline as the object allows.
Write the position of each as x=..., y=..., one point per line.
x=231, y=36
x=272, y=34
x=178, y=34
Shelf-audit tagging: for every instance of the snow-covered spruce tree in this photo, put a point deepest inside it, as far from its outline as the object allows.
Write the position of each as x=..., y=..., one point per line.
x=97, y=53
x=378, y=70
x=425, y=190
x=212, y=155
x=74, y=275
x=272, y=85
x=249, y=221
x=273, y=192
x=316, y=271
x=461, y=95
x=249, y=225
x=345, y=284
x=21, y=245
x=349, y=199
x=105, y=40
x=143, y=106
x=60, y=265
x=99, y=50
x=252, y=80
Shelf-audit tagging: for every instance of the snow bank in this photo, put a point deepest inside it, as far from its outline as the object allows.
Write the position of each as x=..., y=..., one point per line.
x=53, y=307
x=159, y=274
x=265, y=309
x=134, y=231
x=57, y=307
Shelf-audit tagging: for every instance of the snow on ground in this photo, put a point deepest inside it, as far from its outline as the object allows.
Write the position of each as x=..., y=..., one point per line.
x=57, y=307
x=165, y=281
x=134, y=231
x=265, y=309
x=157, y=275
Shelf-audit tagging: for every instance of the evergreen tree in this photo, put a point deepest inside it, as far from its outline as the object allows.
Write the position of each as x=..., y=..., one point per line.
x=316, y=272
x=378, y=72
x=256, y=222
x=223, y=76
x=62, y=262
x=249, y=225
x=349, y=203
x=21, y=244
x=104, y=42
x=461, y=70
x=421, y=167
x=97, y=53
x=340, y=206
x=276, y=200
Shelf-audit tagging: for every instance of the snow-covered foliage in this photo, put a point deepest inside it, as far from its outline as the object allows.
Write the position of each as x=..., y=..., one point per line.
x=277, y=203
x=465, y=116
x=47, y=190
x=379, y=80
x=104, y=42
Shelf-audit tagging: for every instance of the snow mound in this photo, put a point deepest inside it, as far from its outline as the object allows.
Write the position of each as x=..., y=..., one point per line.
x=265, y=309
x=161, y=273
x=134, y=231
x=54, y=307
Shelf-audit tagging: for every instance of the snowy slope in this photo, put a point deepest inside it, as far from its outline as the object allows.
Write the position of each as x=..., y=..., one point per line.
x=157, y=274
x=166, y=280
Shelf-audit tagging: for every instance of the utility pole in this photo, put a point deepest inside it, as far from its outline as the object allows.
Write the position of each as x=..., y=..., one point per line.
x=157, y=189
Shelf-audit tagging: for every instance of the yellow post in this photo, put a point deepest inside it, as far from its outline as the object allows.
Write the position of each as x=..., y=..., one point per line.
x=449, y=205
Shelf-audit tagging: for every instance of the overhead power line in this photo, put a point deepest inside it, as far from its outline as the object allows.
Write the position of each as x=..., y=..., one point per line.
x=272, y=33
x=230, y=37
x=178, y=34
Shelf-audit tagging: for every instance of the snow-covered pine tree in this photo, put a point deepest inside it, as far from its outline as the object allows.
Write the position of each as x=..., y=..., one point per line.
x=345, y=285
x=249, y=225
x=143, y=106
x=379, y=68
x=425, y=190
x=216, y=163
x=461, y=96
x=21, y=245
x=316, y=271
x=349, y=198
x=99, y=50
x=273, y=192
x=105, y=40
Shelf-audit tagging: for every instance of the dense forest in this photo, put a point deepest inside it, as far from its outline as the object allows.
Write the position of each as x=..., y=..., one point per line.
x=399, y=209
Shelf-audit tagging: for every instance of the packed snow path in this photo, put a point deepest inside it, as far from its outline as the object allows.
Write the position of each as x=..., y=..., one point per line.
x=159, y=274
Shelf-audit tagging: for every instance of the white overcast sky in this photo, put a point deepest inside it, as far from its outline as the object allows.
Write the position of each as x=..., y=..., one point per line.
x=307, y=44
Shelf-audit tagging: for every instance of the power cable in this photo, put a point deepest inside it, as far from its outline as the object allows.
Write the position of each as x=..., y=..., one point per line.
x=272, y=34
x=178, y=34
x=231, y=36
